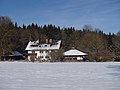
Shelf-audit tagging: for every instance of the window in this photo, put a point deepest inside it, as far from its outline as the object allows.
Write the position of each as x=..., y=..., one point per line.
x=46, y=56
x=46, y=51
x=33, y=51
x=41, y=56
x=40, y=51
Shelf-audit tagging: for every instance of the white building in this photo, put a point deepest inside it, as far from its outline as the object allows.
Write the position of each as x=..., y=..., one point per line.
x=74, y=55
x=38, y=51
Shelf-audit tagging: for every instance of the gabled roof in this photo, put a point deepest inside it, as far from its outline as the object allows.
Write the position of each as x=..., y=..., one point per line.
x=36, y=46
x=74, y=52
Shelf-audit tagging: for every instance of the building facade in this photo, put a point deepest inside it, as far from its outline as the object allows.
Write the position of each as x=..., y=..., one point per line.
x=41, y=51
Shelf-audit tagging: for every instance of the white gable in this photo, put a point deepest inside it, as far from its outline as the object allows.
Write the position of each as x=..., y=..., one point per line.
x=74, y=52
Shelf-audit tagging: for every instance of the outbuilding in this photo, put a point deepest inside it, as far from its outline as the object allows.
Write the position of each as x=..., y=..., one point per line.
x=74, y=55
x=13, y=55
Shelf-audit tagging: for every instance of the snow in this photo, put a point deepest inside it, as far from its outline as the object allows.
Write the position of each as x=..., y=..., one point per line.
x=74, y=52
x=59, y=76
x=42, y=46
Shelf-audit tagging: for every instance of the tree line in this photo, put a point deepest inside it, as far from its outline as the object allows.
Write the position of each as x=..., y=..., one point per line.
x=97, y=44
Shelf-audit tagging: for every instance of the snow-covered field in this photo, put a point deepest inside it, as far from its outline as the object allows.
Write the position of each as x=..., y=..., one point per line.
x=59, y=76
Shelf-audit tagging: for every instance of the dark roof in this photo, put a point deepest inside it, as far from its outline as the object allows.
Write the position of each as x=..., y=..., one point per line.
x=16, y=53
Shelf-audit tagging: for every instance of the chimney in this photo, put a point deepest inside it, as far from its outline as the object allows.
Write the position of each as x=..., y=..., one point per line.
x=46, y=41
x=73, y=48
x=50, y=41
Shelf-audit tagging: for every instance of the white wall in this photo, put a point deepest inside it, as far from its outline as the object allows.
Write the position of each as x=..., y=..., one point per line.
x=42, y=53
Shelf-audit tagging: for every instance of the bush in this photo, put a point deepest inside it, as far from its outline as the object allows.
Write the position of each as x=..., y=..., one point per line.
x=117, y=59
x=32, y=58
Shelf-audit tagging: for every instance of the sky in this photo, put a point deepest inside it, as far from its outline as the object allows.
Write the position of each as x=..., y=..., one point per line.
x=102, y=14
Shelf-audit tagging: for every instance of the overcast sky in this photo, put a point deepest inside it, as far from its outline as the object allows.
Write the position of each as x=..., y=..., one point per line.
x=102, y=14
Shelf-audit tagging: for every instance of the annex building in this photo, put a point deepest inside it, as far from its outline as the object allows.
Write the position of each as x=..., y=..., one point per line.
x=74, y=55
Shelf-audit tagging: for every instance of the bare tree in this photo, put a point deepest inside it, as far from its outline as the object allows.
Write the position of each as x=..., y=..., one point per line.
x=56, y=55
x=94, y=45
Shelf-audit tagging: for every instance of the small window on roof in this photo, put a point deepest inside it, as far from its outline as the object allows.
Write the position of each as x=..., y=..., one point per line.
x=33, y=45
x=45, y=46
x=56, y=43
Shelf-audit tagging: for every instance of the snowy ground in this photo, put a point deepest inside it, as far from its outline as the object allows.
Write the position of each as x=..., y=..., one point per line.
x=59, y=76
